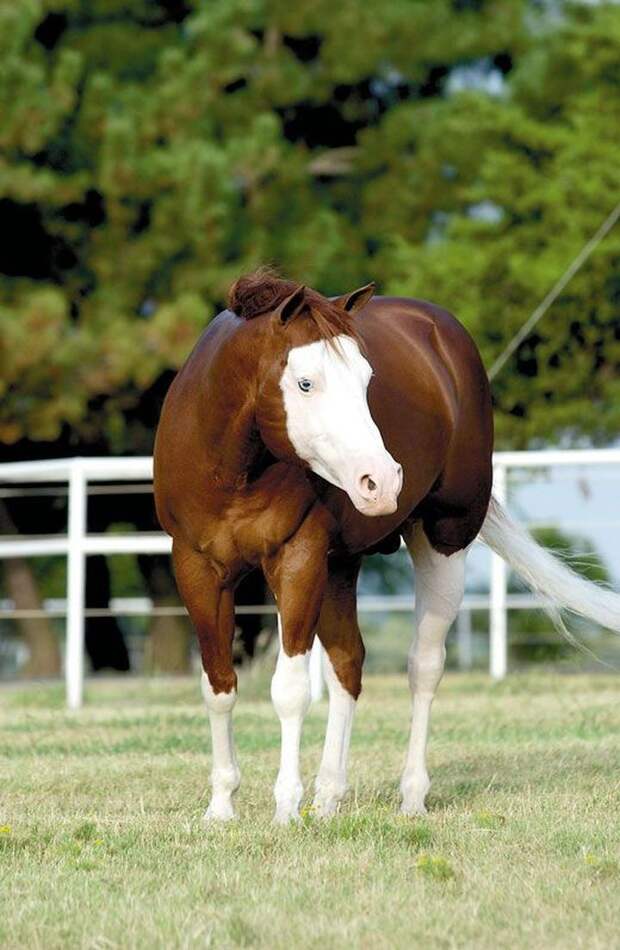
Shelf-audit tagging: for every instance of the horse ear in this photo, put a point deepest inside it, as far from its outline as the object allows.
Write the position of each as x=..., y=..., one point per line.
x=357, y=299
x=291, y=305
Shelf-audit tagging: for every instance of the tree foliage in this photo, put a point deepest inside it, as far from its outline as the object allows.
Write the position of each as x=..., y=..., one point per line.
x=150, y=150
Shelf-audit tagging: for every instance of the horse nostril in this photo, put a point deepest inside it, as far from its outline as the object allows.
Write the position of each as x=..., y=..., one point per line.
x=368, y=487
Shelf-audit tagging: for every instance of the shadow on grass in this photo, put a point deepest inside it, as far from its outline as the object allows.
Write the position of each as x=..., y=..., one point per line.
x=466, y=779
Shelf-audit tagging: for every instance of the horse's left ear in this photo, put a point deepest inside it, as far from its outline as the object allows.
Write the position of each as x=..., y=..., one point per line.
x=357, y=299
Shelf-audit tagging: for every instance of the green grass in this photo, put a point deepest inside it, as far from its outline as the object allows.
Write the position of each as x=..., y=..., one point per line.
x=102, y=846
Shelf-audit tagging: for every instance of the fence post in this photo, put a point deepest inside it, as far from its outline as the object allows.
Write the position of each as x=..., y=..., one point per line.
x=498, y=645
x=76, y=568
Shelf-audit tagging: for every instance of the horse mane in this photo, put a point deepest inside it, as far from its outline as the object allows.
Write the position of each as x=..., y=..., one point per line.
x=263, y=290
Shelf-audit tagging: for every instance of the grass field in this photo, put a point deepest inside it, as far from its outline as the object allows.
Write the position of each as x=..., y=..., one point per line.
x=102, y=846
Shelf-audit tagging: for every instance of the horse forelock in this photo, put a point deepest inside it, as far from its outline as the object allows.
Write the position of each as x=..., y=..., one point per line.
x=263, y=290
x=258, y=292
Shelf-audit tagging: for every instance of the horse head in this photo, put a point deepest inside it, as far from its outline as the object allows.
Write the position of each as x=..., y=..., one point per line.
x=311, y=404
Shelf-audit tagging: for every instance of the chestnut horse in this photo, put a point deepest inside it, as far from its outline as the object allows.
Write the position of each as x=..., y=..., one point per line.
x=301, y=434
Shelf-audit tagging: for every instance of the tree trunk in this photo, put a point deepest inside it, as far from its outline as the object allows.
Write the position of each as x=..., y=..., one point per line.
x=36, y=632
x=104, y=640
x=168, y=646
x=167, y=649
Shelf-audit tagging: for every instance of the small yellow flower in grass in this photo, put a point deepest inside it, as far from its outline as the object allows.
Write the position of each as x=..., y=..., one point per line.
x=5, y=829
x=601, y=867
x=489, y=819
x=306, y=812
x=98, y=841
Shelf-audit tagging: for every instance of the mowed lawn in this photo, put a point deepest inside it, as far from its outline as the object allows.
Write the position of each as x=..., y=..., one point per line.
x=102, y=844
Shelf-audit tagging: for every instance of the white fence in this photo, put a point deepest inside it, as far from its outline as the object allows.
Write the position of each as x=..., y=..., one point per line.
x=80, y=473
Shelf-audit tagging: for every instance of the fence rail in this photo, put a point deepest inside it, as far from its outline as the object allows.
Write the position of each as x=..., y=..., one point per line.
x=80, y=476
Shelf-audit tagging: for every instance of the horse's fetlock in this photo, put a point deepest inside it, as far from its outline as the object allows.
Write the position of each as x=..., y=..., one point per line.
x=330, y=783
x=226, y=779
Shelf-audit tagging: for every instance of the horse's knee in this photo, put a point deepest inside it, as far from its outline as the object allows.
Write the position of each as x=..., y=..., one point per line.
x=426, y=671
x=348, y=671
x=219, y=691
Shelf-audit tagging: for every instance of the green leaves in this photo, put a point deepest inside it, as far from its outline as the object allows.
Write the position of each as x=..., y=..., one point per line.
x=458, y=152
x=532, y=177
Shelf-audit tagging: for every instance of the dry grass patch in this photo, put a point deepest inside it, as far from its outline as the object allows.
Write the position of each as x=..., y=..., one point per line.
x=102, y=846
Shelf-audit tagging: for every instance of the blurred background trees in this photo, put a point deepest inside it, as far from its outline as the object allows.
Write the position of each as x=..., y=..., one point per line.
x=151, y=150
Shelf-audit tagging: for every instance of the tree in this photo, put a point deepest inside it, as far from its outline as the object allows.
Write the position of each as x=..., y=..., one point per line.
x=149, y=154
x=36, y=632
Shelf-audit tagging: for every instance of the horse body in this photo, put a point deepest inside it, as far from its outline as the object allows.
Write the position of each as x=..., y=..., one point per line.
x=301, y=434
x=428, y=395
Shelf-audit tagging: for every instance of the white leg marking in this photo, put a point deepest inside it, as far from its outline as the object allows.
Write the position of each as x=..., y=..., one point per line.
x=290, y=692
x=225, y=775
x=331, y=781
x=440, y=583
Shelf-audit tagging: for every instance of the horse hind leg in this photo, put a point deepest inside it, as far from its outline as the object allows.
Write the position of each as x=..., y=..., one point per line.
x=440, y=583
x=211, y=610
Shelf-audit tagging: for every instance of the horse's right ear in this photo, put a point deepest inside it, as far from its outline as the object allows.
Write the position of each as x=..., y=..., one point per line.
x=291, y=305
x=357, y=299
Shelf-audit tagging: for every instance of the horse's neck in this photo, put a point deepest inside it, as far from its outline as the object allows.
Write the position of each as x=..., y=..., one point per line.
x=234, y=444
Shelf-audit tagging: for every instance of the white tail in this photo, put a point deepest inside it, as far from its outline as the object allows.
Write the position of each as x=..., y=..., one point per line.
x=558, y=585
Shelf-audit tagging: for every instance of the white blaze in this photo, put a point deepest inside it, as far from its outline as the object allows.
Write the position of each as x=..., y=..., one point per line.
x=329, y=424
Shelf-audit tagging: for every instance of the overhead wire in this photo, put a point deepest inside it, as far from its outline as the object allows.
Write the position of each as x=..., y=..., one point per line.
x=555, y=291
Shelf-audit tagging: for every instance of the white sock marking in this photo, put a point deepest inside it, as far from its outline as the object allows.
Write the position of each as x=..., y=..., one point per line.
x=225, y=774
x=440, y=584
x=331, y=781
x=290, y=693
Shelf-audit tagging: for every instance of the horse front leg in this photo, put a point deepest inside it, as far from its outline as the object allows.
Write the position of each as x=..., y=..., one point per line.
x=339, y=633
x=297, y=576
x=211, y=609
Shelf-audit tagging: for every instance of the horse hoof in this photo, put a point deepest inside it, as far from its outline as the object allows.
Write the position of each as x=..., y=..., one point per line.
x=413, y=809
x=215, y=815
x=285, y=817
x=325, y=807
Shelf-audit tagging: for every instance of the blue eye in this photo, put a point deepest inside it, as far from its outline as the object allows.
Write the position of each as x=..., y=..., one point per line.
x=305, y=385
